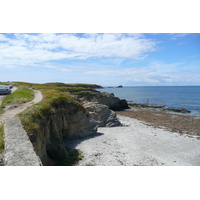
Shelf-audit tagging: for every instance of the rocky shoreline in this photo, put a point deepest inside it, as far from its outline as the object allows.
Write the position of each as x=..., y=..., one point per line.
x=82, y=117
x=137, y=144
x=172, y=121
x=161, y=107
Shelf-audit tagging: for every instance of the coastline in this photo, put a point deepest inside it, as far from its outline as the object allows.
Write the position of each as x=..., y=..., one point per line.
x=149, y=136
x=158, y=118
x=185, y=98
x=137, y=144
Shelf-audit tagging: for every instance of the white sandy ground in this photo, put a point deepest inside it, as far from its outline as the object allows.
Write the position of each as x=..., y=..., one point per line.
x=137, y=144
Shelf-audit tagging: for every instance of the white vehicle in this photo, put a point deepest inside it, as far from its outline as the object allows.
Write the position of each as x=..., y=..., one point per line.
x=5, y=89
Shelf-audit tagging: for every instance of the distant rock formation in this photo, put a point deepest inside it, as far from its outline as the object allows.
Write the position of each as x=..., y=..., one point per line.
x=120, y=86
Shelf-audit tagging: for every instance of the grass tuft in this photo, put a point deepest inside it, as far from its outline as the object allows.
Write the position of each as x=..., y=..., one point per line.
x=1, y=138
x=74, y=156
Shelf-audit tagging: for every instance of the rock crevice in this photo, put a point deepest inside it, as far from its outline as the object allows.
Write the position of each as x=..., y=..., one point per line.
x=69, y=122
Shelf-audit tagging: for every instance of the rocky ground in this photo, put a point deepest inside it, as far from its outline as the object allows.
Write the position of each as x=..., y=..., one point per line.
x=145, y=137
x=181, y=123
x=137, y=144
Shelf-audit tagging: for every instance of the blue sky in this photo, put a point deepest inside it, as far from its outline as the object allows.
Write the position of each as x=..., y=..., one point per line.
x=104, y=59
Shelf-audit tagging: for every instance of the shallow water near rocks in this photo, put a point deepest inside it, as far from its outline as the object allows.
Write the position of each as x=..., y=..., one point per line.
x=187, y=97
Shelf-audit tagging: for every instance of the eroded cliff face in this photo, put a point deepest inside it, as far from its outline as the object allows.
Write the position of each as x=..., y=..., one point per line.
x=68, y=122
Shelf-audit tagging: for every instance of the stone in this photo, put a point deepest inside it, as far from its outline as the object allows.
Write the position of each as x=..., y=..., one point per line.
x=103, y=115
x=123, y=104
x=18, y=148
x=180, y=110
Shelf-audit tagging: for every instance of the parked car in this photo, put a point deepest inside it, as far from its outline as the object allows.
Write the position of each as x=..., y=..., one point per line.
x=10, y=86
x=5, y=89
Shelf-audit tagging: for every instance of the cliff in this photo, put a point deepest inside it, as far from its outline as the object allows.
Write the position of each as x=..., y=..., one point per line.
x=59, y=117
x=49, y=124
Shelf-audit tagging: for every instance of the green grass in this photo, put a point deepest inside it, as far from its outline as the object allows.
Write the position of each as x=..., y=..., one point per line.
x=89, y=164
x=1, y=138
x=83, y=85
x=82, y=93
x=75, y=155
x=55, y=96
x=22, y=95
x=52, y=100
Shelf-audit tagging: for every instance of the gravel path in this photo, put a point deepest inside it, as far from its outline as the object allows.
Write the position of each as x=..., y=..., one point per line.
x=14, y=109
x=137, y=144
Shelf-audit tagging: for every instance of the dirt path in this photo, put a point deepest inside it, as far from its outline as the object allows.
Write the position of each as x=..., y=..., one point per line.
x=14, y=109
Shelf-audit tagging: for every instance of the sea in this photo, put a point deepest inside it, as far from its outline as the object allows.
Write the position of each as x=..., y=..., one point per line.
x=187, y=97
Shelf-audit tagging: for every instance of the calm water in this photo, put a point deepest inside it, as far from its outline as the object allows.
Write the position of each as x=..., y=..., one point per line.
x=173, y=96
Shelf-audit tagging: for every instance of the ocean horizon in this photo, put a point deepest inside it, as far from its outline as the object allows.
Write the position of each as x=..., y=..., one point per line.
x=187, y=97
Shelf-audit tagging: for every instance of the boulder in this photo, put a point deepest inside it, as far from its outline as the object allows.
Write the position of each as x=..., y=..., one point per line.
x=123, y=104
x=108, y=99
x=102, y=114
x=112, y=102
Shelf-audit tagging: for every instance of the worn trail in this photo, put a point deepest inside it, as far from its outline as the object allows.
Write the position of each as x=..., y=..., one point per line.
x=13, y=110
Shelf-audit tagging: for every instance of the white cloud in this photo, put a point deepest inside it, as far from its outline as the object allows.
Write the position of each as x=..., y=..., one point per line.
x=3, y=37
x=155, y=73
x=31, y=48
x=174, y=36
